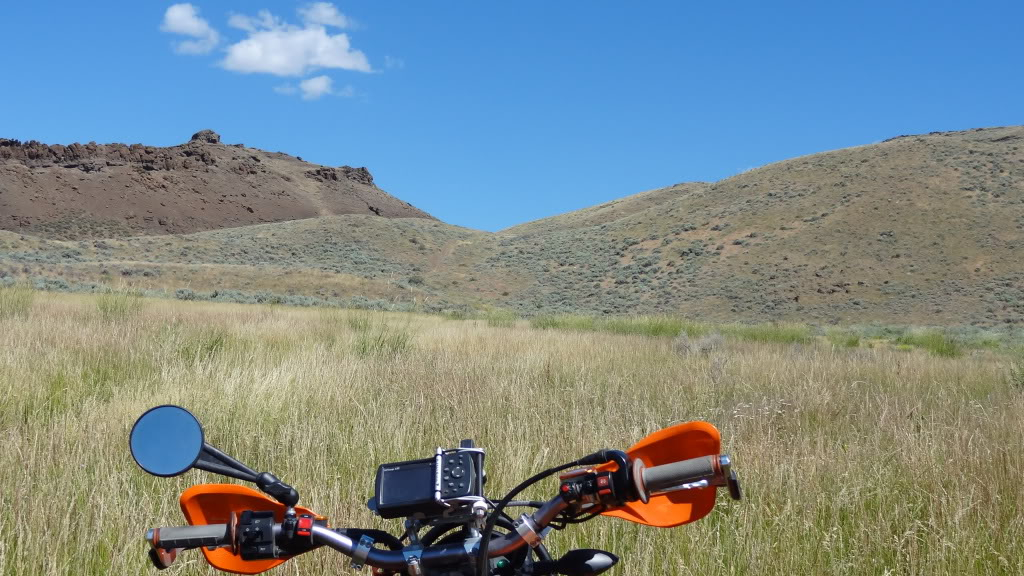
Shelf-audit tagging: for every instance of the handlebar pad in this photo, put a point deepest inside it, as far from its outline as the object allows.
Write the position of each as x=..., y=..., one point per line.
x=192, y=536
x=667, y=476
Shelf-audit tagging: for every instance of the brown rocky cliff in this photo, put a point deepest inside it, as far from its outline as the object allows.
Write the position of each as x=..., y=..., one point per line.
x=104, y=190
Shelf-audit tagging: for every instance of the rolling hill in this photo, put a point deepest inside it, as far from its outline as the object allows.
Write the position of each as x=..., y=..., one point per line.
x=922, y=229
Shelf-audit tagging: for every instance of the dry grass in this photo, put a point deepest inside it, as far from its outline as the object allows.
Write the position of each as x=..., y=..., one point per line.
x=855, y=460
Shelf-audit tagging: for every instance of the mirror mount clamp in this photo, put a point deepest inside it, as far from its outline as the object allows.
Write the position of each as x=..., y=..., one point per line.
x=280, y=491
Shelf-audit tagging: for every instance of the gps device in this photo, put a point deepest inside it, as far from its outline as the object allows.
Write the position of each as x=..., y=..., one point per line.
x=430, y=486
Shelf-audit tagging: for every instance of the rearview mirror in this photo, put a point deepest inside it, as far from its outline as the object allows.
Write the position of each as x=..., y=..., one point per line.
x=166, y=440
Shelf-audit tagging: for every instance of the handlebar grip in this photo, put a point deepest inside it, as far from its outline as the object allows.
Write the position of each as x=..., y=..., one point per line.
x=191, y=536
x=667, y=476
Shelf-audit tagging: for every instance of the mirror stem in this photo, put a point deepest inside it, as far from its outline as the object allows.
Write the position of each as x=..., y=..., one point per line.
x=213, y=460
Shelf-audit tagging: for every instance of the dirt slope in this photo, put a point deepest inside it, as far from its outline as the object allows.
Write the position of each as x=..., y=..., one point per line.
x=112, y=190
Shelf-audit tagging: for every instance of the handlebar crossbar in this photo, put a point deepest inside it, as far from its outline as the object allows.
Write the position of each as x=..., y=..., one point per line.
x=439, y=555
x=218, y=535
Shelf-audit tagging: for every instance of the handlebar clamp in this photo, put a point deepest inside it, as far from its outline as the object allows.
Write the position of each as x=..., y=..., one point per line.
x=361, y=552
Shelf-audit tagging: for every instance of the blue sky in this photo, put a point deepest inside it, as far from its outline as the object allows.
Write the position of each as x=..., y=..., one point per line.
x=490, y=114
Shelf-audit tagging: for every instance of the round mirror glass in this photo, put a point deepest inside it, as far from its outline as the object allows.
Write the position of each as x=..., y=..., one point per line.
x=166, y=440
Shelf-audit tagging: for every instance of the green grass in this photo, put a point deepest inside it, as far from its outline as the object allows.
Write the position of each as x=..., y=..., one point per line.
x=1016, y=371
x=564, y=322
x=203, y=345
x=656, y=326
x=936, y=342
x=500, y=318
x=380, y=339
x=671, y=327
x=843, y=338
x=15, y=301
x=119, y=304
x=773, y=333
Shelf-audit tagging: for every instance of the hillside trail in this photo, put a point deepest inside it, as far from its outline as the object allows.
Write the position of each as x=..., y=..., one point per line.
x=446, y=252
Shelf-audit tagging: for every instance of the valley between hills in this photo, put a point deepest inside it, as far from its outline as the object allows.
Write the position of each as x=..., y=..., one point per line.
x=925, y=229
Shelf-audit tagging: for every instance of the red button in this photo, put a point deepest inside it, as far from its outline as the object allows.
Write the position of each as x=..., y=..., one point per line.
x=605, y=491
x=305, y=526
x=602, y=481
x=565, y=487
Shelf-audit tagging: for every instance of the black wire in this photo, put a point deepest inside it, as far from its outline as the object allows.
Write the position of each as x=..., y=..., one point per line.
x=582, y=519
x=526, y=503
x=485, y=537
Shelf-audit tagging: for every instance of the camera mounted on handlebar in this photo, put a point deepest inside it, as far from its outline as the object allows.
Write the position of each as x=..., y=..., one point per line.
x=432, y=487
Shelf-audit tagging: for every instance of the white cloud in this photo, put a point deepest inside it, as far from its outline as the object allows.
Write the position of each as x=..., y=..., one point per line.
x=314, y=88
x=184, y=19
x=273, y=47
x=286, y=89
x=263, y=19
x=323, y=14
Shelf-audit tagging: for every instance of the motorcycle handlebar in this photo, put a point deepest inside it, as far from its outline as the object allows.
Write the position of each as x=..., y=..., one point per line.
x=668, y=476
x=219, y=535
x=171, y=537
x=715, y=470
x=439, y=555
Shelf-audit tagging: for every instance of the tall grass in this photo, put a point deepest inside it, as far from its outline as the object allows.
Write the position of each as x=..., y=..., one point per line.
x=376, y=337
x=843, y=338
x=855, y=461
x=1016, y=371
x=500, y=318
x=671, y=327
x=777, y=333
x=15, y=301
x=119, y=304
x=564, y=322
x=937, y=342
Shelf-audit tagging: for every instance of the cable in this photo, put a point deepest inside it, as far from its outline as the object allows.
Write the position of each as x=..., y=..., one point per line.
x=485, y=536
x=563, y=520
x=598, y=457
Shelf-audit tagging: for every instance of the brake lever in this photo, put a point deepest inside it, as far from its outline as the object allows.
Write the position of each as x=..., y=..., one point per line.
x=162, y=559
x=733, y=482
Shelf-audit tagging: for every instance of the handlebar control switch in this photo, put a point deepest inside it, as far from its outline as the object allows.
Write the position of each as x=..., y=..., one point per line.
x=590, y=488
x=256, y=535
x=304, y=527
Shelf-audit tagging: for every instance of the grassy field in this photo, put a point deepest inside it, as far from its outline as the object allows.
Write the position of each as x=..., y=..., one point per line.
x=855, y=460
